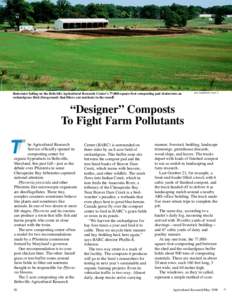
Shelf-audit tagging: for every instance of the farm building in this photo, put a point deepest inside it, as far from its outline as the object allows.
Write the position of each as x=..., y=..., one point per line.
x=73, y=24
x=206, y=16
x=26, y=27
x=210, y=16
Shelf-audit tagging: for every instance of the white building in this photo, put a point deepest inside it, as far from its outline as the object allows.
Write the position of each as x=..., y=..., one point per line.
x=26, y=28
x=211, y=16
x=206, y=16
x=78, y=23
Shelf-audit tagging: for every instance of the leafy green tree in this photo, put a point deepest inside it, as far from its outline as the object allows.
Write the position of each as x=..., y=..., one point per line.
x=44, y=11
x=170, y=17
x=219, y=17
x=101, y=11
x=96, y=11
x=79, y=11
x=112, y=11
x=124, y=14
x=193, y=12
x=17, y=12
x=227, y=9
x=150, y=12
x=64, y=9
x=131, y=11
x=175, y=15
x=2, y=14
x=91, y=10
x=182, y=17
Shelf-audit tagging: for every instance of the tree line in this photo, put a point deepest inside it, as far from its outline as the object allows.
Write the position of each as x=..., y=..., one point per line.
x=16, y=12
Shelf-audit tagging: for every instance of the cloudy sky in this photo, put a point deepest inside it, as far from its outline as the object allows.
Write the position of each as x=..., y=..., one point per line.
x=158, y=2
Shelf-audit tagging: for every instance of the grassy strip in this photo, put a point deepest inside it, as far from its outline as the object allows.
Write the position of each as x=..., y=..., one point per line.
x=45, y=82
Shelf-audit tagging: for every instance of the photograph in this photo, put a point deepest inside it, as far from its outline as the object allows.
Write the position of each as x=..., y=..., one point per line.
x=115, y=120
x=114, y=45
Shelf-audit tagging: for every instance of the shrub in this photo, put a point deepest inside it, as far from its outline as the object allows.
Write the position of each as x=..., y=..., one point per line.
x=4, y=72
x=212, y=82
x=41, y=80
x=66, y=85
x=4, y=78
x=16, y=76
x=118, y=80
x=95, y=84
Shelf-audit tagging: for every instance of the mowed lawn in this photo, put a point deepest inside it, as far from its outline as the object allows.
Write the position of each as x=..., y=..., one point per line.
x=187, y=62
x=135, y=22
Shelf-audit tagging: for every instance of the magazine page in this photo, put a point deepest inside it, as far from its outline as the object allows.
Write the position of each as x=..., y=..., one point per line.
x=115, y=149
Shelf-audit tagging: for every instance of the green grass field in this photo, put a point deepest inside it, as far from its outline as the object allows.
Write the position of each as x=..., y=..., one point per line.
x=187, y=62
x=147, y=23
x=205, y=22
x=136, y=23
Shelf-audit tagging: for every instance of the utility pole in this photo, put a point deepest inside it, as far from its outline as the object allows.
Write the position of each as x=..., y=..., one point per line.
x=17, y=20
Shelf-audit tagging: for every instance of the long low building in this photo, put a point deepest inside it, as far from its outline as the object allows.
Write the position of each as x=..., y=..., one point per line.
x=212, y=15
x=206, y=15
x=78, y=23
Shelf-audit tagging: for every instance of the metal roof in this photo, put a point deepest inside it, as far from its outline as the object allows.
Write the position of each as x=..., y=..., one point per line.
x=80, y=20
